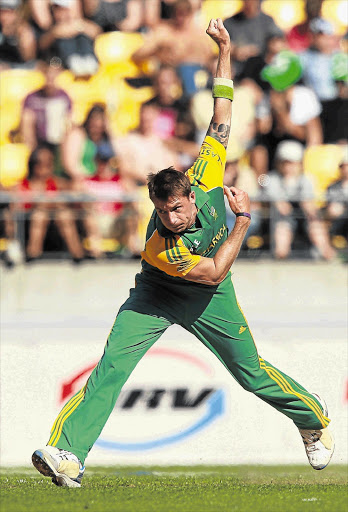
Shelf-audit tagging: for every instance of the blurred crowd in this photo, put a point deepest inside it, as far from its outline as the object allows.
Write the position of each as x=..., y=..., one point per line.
x=96, y=94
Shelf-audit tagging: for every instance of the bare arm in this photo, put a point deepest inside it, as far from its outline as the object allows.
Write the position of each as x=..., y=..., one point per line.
x=314, y=132
x=27, y=42
x=40, y=13
x=28, y=128
x=150, y=47
x=212, y=271
x=220, y=124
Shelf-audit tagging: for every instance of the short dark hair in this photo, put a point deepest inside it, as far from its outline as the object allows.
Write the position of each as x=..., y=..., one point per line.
x=168, y=183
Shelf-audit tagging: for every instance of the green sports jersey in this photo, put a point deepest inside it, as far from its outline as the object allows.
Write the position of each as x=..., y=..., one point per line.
x=171, y=256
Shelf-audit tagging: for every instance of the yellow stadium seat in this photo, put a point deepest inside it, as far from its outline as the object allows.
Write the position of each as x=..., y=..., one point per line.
x=219, y=9
x=286, y=13
x=10, y=117
x=16, y=84
x=321, y=164
x=336, y=11
x=124, y=107
x=84, y=93
x=13, y=163
x=114, y=50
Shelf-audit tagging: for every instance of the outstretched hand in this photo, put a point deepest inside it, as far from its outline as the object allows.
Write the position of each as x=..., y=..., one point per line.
x=237, y=199
x=216, y=30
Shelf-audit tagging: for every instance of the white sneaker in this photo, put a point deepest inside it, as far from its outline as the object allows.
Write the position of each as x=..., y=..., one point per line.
x=319, y=444
x=62, y=466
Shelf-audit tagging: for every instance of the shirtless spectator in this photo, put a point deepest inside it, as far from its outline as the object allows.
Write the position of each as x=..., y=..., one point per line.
x=17, y=40
x=156, y=11
x=178, y=42
x=292, y=196
x=46, y=113
x=125, y=15
x=249, y=30
x=41, y=181
x=141, y=152
x=300, y=37
x=71, y=39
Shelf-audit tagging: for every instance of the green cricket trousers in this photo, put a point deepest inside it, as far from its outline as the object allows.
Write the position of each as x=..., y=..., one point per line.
x=213, y=315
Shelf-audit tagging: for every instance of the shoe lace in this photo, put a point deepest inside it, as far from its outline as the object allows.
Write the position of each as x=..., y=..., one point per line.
x=65, y=454
x=310, y=437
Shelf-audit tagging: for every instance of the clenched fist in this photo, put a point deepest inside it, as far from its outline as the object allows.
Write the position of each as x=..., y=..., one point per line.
x=218, y=33
x=237, y=199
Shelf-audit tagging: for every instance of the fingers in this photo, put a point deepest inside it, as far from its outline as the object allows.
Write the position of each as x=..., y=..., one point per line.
x=236, y=191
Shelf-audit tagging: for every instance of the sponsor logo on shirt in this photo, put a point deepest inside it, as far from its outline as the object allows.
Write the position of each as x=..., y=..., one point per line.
x=216, y=239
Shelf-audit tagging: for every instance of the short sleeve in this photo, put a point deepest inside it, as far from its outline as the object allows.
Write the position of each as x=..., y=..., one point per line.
x=169, y=255
x=208, y=170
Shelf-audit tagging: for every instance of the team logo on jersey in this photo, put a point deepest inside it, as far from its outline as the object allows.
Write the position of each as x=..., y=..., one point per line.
x=213, y=212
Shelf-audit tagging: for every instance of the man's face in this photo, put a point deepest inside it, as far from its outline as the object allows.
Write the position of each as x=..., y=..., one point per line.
x=177, y=213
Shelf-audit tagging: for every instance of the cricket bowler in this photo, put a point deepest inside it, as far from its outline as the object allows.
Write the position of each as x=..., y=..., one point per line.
x=185, y=279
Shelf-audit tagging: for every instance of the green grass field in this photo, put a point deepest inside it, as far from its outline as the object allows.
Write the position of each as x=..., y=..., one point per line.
x=181, y=489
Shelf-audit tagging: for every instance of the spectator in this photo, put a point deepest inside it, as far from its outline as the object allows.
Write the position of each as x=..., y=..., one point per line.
x=295, y=108
x=79, y=149
x=114, y=219
x=275, y=43
x=46, y=113
x=317, y=60
x=71, y=39
x=13, y=253
x=125, y=15
x=251, y=77
x=178, y=42
x=169, y=100
x=17, y=40
x=335, y=112
x=41, y=15
x=249, y=30
x=300, y=37
x=337, y=201
x=158, y=10
x=293, y=203
x=174, y=121
x=243, y=177
x=142, y=152
x=80, y=144
x=41, y=181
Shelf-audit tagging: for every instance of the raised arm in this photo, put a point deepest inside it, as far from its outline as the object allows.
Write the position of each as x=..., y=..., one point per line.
x=219, y=127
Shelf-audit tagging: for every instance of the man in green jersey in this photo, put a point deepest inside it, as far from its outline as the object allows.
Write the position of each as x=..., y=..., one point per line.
x=186, y=280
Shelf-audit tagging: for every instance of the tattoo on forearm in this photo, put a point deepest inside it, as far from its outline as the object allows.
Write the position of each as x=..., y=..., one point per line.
x=219, y=132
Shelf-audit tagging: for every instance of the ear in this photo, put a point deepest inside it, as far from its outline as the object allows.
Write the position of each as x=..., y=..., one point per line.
x=192, y=197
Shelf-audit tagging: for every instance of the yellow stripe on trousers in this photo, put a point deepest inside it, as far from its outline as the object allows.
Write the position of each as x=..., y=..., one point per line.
x=314, y=406
x=66, y=406
x=61, y=416
x=279, y=378
x=287, y=388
